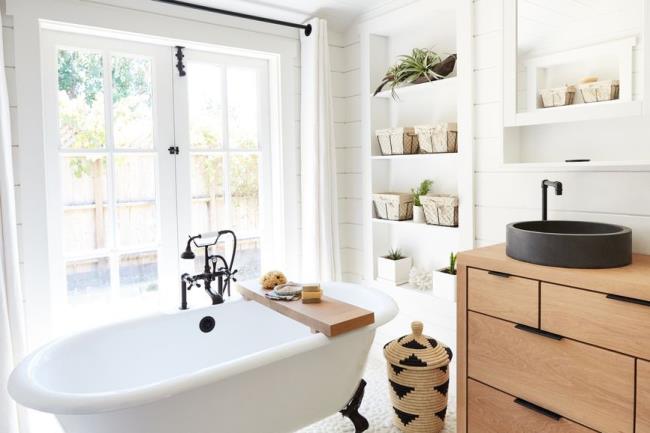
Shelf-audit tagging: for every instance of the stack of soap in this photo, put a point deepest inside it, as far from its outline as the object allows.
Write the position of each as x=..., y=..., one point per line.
x=311, y=294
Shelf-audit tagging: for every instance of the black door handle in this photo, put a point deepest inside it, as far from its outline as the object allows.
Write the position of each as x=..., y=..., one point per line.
x=499, y=274
x=539, y=332
x=538, y=409
x=629, y=300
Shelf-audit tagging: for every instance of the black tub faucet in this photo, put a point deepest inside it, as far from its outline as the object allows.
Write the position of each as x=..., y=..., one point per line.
x=216, y=268
x=558, y=191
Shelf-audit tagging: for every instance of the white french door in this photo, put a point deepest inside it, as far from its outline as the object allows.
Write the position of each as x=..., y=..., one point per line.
x=120, y=204
x=109, y=123
x=223, y=167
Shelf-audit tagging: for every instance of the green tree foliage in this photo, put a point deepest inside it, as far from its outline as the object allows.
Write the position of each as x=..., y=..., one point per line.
x=80, y=74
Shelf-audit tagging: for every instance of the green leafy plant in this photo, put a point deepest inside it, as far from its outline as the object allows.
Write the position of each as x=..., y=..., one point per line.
x=420, y=66
x=395, y=254
x=423, y=189
x=453, y=257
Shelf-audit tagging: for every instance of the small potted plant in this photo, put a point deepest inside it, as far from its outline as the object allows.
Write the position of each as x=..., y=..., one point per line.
x=444, y=280
x=418, y=210
x=394, y=267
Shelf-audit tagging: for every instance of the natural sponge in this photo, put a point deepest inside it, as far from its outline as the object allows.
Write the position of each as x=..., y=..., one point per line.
x=272, y=279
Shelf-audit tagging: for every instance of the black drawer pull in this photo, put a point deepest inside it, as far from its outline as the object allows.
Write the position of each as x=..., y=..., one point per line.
x=629, y=300
x=499, y=274
x=539, y=332
x=538, y=409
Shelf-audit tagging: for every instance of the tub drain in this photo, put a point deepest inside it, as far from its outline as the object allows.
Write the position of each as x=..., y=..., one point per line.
x=207, y=324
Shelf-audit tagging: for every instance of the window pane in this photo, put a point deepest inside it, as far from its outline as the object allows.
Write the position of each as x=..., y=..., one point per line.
x=205, y=101
x=85, y=203
x=242, y=108
x=139, y=275
x=81, y=100
x=247, y=259
x=135, y=194
x=89, y=281
x=244, y=188
x=132, y=103
x=208, y=204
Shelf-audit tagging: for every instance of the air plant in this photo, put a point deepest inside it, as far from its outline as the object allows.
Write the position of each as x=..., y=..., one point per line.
x=395, y=254
x=423, y=189
x=422, y=65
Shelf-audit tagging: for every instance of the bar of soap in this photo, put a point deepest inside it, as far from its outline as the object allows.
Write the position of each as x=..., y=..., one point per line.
x=311, y=288
x=312, y=297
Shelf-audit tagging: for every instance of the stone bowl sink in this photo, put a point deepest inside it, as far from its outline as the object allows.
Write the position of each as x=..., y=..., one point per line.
x=570, y=244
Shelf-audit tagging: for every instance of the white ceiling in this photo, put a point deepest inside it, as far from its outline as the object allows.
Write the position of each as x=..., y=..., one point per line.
x=339, y=13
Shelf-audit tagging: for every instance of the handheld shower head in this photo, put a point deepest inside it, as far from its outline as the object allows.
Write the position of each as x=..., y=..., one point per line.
x=188, y=254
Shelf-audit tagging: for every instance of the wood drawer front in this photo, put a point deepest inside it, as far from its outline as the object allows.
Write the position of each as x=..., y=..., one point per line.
x=492, y=411
x=507, y=297
x=593, y=318
x=591, y=386
x=643, y=397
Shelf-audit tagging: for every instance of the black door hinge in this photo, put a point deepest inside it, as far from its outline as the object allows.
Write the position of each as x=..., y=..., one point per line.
x=174, y=150
x=180, y=65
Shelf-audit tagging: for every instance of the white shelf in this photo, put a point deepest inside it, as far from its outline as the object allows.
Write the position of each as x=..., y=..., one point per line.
x=410, y=223
x=579, y=112
x=416, y=156
x=641, y=165
x=418, y=88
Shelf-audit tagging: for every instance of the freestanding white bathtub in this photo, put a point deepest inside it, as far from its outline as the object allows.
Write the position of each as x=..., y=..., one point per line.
x=256, y=372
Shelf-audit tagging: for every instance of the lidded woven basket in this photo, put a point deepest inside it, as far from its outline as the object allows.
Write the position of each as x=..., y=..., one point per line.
x=418, y=375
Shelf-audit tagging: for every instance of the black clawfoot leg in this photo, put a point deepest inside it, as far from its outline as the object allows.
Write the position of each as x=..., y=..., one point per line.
x=351, y=410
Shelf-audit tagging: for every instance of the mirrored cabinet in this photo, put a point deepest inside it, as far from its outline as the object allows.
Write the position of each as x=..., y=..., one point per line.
x=573, y=89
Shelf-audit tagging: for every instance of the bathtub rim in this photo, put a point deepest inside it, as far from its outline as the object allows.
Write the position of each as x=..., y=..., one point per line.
x=24, y=388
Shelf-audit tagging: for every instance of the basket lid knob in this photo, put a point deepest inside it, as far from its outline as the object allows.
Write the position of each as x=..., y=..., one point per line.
x=417, y=328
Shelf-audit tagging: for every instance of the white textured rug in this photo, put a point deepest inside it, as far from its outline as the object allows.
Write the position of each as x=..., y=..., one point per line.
x=376, y=405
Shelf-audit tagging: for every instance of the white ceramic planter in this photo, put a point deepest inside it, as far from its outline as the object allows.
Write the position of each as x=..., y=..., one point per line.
x=418, y=214
x=444, y=285
x=394, y=271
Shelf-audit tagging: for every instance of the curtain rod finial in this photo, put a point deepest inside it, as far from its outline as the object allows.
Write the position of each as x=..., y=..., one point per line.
x=308, y=30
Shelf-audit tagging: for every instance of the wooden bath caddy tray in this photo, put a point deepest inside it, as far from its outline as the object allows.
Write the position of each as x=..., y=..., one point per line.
x=331, y=317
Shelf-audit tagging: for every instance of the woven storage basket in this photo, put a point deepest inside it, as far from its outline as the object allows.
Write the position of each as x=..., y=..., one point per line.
x=440, y=210
x=398, y=141
x=393, y=206
x=558, y=96
x=599, y=91
x=440, y=138
x=418, y=375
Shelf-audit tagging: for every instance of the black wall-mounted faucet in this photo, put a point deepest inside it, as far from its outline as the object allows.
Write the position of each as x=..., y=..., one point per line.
x=216, y=267
x=558, y=191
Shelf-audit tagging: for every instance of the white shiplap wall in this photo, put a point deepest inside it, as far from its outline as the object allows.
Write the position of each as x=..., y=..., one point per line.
x=615, y=196
x=10, y=71
x=345, y=76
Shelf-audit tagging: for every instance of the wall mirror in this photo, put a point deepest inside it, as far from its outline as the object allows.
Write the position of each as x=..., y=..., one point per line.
x=576, y=52
x=568, y=61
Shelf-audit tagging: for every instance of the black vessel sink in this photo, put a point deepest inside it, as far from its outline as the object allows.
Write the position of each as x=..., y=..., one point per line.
x=570, y=244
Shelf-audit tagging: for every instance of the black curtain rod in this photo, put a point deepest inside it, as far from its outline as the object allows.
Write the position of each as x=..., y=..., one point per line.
x=306, y=28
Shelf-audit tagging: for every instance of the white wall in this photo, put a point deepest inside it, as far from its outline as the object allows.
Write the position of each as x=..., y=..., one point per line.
x=10, y=71
x=503, y=196
x=347, y=96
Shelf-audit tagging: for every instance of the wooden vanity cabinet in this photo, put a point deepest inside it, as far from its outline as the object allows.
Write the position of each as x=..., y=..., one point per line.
x=544, y=349
x=643, y=397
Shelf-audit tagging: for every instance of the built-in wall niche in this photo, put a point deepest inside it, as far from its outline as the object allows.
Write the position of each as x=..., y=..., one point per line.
x=574, y=75
x=421, y=24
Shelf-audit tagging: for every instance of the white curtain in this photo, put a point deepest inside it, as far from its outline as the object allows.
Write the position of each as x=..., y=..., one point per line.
x=320, y=230
x=12, y=331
